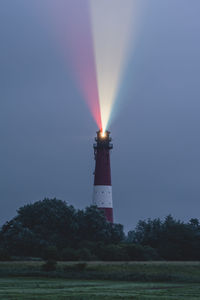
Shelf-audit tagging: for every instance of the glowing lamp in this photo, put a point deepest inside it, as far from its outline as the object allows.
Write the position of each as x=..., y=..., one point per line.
x=103, y=134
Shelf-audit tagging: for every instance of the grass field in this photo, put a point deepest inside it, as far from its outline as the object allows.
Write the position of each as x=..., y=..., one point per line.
x=176, y=272
x=41, y=288
x=133, y=280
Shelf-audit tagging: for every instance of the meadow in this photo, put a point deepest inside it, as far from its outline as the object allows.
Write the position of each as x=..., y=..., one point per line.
x=52, y=288
x=100, y=280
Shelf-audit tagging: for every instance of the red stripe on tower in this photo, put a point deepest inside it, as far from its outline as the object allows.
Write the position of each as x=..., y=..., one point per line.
x=102, y=196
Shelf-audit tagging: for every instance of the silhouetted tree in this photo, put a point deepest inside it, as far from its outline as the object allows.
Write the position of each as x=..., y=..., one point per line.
x=52, y=229
x=52, y=224
x=173, y=240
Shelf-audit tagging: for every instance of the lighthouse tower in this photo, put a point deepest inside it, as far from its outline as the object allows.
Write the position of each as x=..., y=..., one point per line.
x=102, y=195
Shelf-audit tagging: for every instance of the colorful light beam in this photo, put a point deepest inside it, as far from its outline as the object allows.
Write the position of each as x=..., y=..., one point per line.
x=72, y=28
x=95, y=35
x=111, y=25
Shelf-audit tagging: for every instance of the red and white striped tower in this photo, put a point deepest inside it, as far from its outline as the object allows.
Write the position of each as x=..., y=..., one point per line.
x=102, y=196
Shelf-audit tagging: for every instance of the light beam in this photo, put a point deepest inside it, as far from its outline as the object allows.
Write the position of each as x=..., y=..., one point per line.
x=94, y=36
x=112, y=24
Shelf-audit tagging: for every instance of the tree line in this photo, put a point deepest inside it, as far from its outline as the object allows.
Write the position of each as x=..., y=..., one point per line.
x=52, y=229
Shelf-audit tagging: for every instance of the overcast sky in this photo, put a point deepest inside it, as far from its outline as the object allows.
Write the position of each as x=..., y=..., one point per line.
x=47, y=132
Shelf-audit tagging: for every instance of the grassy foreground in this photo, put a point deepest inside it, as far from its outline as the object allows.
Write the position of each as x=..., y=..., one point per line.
x=176, y=272
x=47, y=289
x=101, y=280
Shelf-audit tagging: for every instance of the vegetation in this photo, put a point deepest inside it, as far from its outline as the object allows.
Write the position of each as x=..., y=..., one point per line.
x=53, y=289
x=54, y=231
x=173, y=240
x=171, y=272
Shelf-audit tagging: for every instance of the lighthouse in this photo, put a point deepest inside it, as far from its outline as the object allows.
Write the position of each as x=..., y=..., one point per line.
x=102, y=194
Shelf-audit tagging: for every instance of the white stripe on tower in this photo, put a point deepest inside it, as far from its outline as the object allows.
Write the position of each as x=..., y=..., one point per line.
x=103, y=196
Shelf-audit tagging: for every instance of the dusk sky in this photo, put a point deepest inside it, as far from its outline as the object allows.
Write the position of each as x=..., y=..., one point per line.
x=47, y=131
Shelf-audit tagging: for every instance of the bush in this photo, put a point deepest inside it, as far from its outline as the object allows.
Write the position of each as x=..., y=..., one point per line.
x=50, y=253
x=114, y=253
x=4, y=256
x=84, y=254
x=135, y=252
x=69, y=254
x=49, y=266
x=75, y=267
x=81, y=266
x=151, y=254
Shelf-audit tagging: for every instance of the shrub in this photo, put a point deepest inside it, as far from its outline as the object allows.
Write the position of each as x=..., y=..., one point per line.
x=114, y=253
x=75, y=267
x=135, y=252
x=69, y=254
x=81, y=266
x=49, y=266
x=4, y=256
x=84, y=254
x=50, y=253
x=151, y=253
